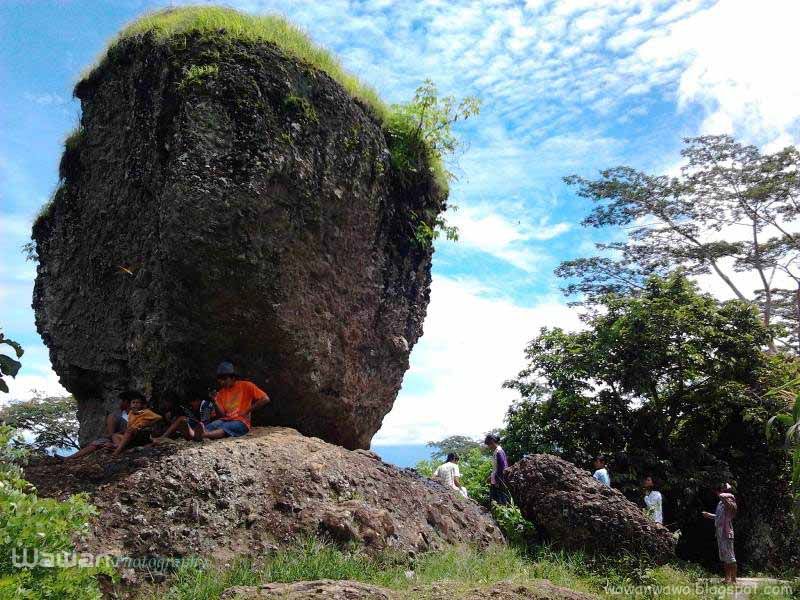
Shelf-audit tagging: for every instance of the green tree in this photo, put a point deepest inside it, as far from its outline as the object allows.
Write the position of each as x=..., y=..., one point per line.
x=459, y=444
x=790, y=419
x=9, y=367
x=727, y=212
x=667, y=381
x=53, y=420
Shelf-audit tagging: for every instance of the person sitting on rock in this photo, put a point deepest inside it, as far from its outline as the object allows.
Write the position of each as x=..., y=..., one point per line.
x=723, y=525
x=498, y=489
x=199, y=413
x=653, y=500
x=449, y=475
x=140, y=425
x=235, y=401
x=601, y=472
x=116, y=422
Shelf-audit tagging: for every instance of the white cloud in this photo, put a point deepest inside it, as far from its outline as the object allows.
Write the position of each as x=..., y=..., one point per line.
x=503, y=231
x=473, y=342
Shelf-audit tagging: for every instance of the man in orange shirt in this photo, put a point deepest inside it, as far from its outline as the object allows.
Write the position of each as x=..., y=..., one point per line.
x=235, y=400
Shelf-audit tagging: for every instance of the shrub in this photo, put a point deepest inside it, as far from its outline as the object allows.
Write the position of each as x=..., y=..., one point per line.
x=33, y=527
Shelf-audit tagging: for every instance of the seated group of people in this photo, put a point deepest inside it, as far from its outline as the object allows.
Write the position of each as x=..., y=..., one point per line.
x=224, y=413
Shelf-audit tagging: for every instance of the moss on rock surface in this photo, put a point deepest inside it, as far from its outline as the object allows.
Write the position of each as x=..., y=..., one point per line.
x=227, y=199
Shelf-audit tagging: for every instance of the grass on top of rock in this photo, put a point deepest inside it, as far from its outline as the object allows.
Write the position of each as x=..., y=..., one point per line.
x=458, y=568
x=229, y=23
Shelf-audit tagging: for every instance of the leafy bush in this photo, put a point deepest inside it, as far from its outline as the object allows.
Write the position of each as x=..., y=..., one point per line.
x=33, y=527
x=52, y=420
x=518, y=530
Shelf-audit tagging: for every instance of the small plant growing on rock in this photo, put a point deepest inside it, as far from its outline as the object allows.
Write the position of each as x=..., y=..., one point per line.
x=517, y=529
x=420, y=136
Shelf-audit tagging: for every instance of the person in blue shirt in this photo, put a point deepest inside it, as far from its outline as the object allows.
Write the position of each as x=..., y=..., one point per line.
x=601, y=472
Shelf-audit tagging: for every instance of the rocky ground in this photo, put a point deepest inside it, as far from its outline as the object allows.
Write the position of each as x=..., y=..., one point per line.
x=265, y=490
x=351, y=590
x=574, y=511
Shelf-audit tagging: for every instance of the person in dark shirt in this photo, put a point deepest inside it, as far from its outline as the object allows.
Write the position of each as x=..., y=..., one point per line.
x=498, y=490
x=198, y=413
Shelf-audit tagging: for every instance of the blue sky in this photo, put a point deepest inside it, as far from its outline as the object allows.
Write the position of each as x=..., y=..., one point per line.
x=570, y=86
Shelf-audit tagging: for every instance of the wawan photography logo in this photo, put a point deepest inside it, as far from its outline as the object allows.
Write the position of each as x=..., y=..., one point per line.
x=30, y=558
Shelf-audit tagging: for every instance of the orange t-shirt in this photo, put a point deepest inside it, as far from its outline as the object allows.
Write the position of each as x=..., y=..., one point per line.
x=233, y=403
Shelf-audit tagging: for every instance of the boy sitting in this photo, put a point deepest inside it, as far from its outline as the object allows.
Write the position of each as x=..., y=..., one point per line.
x=116, y=422
x=196, y=416
x=140, y=425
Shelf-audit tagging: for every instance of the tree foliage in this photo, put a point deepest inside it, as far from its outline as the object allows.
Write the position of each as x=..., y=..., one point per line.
x=790, y=420
x=53, y=420
x=729, y=211
x=458, y=444
x=420, y=137
x=9, y=367
x=667, y=381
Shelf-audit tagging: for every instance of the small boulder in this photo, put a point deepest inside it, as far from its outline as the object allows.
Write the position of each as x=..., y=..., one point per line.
x=575, y=511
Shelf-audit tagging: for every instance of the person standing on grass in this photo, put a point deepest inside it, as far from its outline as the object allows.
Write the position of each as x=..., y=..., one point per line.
x=600, y=470
x=449, y=475
x=235, y=401
x=723, y=525
x=653, y=500
x=498, y=489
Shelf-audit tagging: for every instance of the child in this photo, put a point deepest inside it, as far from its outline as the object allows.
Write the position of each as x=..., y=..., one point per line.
x=601, y=472
x=723, y=524
x=140, y=422
x=199, y=413
x=449, y=474
x=116, y=422
x=653, y=500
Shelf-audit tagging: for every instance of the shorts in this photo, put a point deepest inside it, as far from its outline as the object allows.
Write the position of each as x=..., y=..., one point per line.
x=725, y=546
x=231, y=428
x=141, y=437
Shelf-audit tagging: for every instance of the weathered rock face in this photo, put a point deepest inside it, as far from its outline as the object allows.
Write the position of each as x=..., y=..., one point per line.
x=245, y=495
x=575, y=511
x=222, y=200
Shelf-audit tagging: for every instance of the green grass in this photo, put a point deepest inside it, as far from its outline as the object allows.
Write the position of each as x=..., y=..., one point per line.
x=171, y=23
x=459, y=568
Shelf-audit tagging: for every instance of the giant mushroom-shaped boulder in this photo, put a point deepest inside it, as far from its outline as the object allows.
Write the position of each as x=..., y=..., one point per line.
x=226, y=198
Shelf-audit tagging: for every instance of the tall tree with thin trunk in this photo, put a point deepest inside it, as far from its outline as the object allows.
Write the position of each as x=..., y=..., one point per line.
x=732, y=210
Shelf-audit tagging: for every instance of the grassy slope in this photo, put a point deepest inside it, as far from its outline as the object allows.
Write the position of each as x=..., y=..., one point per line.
x=229, y=23
x=460, y=568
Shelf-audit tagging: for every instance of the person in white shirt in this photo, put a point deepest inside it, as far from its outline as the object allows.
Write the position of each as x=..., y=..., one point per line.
x=653, y=500
x=601, y=472
x=449, y=475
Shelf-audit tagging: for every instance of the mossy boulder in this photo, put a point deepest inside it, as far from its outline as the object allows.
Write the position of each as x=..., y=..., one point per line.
x=223, y=198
